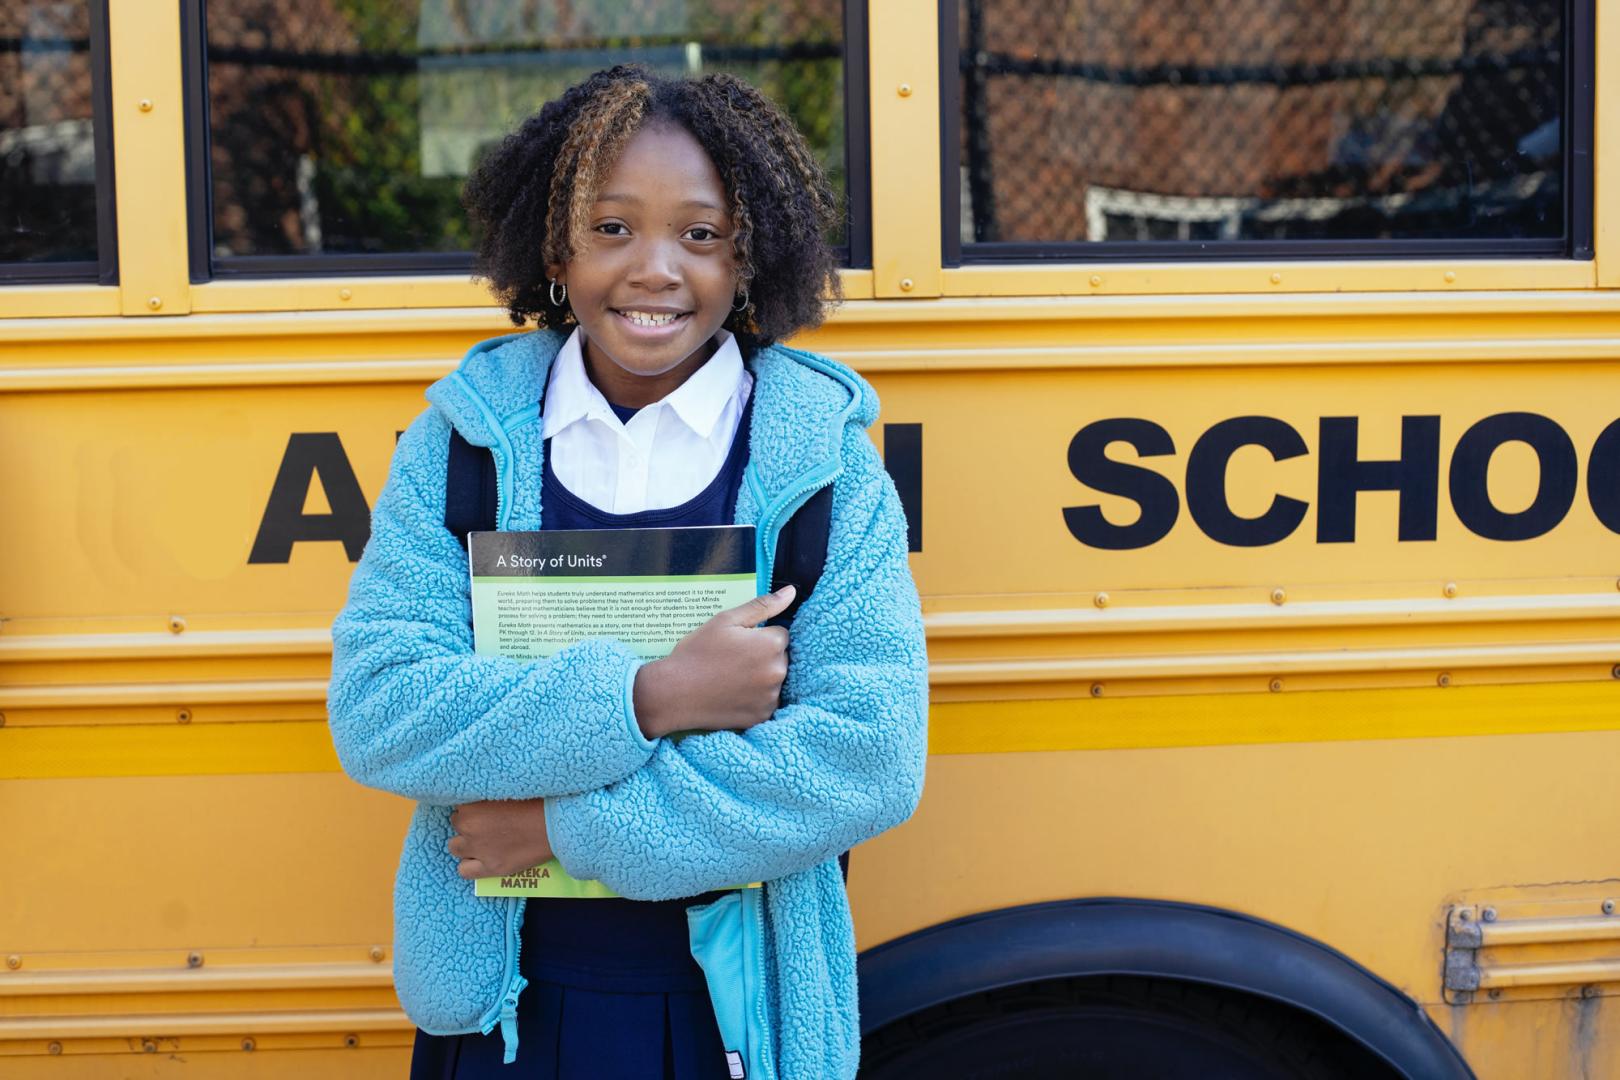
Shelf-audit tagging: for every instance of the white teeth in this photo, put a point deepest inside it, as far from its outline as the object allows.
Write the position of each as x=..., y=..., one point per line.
x=648, y=318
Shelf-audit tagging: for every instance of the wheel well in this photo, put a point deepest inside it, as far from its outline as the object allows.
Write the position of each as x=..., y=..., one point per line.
x=1303, y=1045
x=1184, y=943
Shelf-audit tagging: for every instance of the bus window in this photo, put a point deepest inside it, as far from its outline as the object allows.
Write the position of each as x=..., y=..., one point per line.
x=52, y=143
x=340, y=135
x=1174, y=127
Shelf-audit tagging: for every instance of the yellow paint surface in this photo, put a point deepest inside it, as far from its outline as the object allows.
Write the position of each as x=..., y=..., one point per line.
x=170, y=750
x=255, y=745
x=205, y=862
x=905, y=104
x=1358, y=844
x=1344, y=804
x=1227, y=719
x=149, y=158
x=1606, y=147
x=1308, y=835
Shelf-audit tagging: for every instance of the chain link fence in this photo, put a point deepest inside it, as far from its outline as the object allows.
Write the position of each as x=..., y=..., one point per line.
x=1192, y=120
x=47, y=135
x=347, y=126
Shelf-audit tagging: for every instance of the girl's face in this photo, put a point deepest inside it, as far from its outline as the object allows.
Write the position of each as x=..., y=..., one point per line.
x=658, y=277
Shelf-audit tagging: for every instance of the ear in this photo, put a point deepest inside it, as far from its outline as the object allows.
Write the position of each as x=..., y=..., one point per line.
x=557, y=272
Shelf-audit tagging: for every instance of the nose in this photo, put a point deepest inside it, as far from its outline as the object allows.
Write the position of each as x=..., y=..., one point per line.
x=657, y=265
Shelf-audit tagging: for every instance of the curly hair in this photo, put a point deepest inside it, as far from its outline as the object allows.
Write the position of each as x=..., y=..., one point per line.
x=530, y=198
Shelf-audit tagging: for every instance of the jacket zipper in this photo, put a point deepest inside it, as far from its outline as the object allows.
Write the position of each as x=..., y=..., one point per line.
x=764, y=552
x=500, y=496
x=506, y=1014
x=765, y=559
x=504, y=471
x=766, y=1037
x=499, y=448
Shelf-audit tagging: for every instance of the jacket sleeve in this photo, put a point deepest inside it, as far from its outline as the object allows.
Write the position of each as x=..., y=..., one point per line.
x=416, y=712
x=840, y=761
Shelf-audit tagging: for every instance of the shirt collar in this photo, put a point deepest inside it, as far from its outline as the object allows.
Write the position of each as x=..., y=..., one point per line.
x=699, y=401
x=570, y=395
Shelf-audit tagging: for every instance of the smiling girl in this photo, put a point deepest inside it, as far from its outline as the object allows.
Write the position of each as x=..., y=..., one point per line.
x=664, y=235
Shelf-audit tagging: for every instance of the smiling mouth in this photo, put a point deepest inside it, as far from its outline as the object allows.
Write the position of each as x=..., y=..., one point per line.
x=650, y=320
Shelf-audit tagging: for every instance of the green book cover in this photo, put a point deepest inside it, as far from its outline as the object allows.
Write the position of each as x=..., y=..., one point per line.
x=536, y=593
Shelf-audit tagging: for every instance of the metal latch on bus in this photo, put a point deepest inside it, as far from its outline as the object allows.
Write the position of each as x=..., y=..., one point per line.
x=1494, y=950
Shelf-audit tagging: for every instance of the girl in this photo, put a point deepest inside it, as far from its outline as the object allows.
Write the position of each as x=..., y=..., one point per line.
x=663, y=235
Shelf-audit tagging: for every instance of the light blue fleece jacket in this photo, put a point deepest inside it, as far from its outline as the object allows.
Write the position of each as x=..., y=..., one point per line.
x=414, y=711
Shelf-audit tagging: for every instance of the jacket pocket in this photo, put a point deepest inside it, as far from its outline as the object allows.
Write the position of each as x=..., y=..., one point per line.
x=728, y=942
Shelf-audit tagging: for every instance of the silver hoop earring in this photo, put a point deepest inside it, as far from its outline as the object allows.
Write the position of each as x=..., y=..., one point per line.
x=557, y=301
x=742, y=306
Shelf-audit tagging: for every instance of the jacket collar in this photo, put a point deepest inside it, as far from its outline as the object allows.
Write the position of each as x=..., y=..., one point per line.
x=802, y=402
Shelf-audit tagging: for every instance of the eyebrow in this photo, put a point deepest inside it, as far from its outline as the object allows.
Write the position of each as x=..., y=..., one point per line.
x=703, y=204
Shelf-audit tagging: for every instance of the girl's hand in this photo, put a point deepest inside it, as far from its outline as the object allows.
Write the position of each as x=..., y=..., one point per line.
x=724, y=676
x=498, y=838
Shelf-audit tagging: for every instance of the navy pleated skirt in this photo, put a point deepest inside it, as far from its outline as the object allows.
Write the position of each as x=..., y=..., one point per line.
x=613, y=992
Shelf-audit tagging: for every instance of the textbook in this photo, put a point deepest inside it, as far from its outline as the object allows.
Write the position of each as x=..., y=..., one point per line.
x=536, y=593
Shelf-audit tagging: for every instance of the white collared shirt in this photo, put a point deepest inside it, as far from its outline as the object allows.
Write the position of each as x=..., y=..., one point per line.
x=666, y=454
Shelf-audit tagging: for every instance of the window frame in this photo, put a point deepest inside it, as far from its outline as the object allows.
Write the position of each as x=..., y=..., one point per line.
x=204, y=267
x=103, y=270
x=1580, y=46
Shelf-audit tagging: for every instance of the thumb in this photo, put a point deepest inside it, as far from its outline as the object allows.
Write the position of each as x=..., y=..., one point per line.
x=760, y=608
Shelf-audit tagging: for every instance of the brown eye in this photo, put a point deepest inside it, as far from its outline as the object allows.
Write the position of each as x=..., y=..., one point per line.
x=701, y=233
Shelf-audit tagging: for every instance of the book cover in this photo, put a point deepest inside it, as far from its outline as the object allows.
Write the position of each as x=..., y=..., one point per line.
x=536, y=593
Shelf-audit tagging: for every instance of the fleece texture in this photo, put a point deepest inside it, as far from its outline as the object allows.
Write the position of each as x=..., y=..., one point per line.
x=414, y=711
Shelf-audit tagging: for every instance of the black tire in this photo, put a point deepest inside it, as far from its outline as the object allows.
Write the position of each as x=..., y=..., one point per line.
x=1115, y=1028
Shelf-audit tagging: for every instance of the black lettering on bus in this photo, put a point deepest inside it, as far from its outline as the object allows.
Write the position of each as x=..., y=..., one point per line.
x=1341, y=475
x=1153, y=492
x=1206, y=482
x=1603, y=477
x=1555, y=490
x=308, y=455
x=902, y=456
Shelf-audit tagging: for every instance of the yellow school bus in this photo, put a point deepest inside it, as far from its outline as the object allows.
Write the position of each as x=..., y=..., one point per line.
x=1250, y=373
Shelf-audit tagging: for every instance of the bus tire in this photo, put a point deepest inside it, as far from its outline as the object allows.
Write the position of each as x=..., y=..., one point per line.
x=1116, y=1028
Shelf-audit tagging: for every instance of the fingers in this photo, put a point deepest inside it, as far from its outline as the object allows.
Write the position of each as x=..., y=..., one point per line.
x=776, y=636
x=457, y=846
x=760, y=608
x=729, y=671
x=460, y=849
